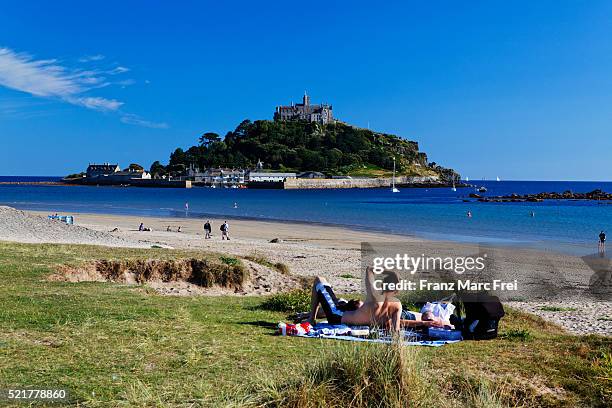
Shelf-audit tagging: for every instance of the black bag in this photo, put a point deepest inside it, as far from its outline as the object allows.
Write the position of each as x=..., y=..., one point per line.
x=482, y=314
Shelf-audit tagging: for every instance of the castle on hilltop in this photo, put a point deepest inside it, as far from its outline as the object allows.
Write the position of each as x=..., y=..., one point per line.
x=305, y=111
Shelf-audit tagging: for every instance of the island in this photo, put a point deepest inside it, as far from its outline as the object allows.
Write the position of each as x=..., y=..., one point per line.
x=304, y=146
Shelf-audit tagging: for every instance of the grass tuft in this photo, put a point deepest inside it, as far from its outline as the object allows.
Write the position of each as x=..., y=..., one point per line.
x=262, y=260
x=291, y=302
x=364, y=375
x=516, y=334
x=557, y=309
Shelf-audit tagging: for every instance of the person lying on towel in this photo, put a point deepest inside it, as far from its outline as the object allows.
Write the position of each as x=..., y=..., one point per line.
x=381, y=308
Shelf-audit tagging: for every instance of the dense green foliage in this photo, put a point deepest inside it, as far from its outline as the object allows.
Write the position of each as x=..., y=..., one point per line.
x=301, y=146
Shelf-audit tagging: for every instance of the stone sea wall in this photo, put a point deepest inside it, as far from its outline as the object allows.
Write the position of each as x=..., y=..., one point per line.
x=356, y=182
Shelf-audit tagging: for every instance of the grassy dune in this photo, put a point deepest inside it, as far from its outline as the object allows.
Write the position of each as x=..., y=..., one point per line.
x=117, y=345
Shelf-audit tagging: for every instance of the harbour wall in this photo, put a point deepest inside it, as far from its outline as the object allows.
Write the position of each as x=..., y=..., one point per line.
x=290, y=184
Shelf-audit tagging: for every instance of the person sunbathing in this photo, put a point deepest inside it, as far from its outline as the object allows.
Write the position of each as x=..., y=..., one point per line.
x=380, y=308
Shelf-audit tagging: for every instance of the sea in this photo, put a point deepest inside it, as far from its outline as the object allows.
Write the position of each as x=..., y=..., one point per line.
x=431, y=213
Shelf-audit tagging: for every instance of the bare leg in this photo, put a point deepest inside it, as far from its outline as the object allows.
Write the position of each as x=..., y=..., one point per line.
x=314, y=299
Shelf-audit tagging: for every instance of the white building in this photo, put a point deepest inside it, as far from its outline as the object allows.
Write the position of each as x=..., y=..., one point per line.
x=274, y=177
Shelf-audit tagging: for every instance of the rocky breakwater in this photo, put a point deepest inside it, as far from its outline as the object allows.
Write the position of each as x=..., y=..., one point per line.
x=597, y=195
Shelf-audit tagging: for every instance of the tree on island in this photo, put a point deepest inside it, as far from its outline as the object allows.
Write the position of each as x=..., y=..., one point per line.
x=209, y=138
x=135, y=167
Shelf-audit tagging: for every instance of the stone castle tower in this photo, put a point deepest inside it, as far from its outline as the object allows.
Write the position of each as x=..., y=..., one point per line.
x=305, y=111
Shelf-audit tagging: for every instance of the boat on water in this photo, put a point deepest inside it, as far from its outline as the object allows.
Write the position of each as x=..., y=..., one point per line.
x=498, y=178
x=482, y=189
x=393, y=188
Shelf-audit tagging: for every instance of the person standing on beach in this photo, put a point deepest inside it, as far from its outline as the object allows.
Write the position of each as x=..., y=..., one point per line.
x=602, y=242
x=224, y=231
x=207, y=229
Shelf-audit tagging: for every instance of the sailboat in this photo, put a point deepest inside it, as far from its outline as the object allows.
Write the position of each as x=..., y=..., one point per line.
x=467, y=178
x=393, y=189
x=498, y=178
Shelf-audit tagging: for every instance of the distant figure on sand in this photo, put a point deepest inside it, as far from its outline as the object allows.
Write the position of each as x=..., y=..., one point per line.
x=180, y=229
x=469, y=214
x=168, y=229
x=602, y=242
x=207, y=229
x=224, y=231
x=141, y=227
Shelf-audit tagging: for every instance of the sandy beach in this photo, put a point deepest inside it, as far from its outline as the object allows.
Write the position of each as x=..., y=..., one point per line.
x=564, y=283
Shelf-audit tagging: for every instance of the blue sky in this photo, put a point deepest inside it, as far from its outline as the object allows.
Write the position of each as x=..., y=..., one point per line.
x=520, y=90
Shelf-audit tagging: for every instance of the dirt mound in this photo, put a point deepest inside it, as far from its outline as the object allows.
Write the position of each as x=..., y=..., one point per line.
x=184, y=277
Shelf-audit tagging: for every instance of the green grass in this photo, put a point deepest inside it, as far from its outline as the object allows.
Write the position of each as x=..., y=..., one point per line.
x=557, y=309
x=290, y=302
x=375, y=171
x=116, y=345
x=516, y=334
x=348, y=276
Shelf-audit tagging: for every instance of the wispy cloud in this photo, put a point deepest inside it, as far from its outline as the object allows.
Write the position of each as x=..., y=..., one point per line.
x=118, y=70
x=49, y=79
x=131, y=119
x=96, y=103
x=89, y=58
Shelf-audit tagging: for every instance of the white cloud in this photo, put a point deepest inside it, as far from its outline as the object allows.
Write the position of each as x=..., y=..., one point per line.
x=89, y=58
x=131, y=119
x=40, y=78
x=118, y=70
x=96, y=103
x=48, y=79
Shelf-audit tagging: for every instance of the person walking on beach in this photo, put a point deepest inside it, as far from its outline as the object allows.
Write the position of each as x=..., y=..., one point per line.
x=224, y=231
x=207, y=229
x=602, y=242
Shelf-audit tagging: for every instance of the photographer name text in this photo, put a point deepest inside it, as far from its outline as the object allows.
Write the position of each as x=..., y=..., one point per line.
x=467, y=285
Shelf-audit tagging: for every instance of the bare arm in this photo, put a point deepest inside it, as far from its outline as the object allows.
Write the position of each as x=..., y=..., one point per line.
x=420, y=323
x=369, y=285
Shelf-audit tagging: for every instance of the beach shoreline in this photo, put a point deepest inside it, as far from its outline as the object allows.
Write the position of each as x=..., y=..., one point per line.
x=312, y=249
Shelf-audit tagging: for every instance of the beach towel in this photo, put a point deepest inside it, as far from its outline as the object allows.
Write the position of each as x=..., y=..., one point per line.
x=363, y=334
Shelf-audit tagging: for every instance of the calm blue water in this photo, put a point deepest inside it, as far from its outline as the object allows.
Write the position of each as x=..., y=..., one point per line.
x=570, y=226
